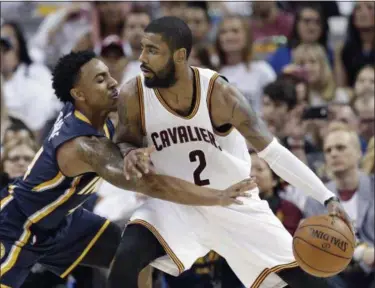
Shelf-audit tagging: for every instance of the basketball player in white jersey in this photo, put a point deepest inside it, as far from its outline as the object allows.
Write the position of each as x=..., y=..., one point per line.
x=186, y=113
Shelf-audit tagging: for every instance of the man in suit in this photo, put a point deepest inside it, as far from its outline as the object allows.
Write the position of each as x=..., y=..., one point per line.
x=355, y=190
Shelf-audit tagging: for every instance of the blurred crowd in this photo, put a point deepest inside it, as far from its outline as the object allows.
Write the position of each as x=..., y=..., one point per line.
x=306, y=68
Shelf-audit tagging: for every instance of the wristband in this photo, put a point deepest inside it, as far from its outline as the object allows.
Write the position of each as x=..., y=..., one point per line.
x=334, y=198
x=128, y=151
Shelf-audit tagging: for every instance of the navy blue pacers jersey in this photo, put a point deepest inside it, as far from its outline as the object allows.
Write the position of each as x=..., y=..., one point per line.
x=41, y=218
x=44, y=195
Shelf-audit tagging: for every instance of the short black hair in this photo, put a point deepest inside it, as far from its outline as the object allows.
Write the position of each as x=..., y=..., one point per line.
x=67, y=71
x=174, y=31
x=200, y=5
x=281, y=91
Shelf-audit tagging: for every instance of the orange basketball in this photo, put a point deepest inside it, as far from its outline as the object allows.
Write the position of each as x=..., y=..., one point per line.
x=323, y=245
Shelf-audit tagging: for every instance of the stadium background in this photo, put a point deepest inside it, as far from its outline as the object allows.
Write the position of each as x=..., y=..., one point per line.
x=307, y=68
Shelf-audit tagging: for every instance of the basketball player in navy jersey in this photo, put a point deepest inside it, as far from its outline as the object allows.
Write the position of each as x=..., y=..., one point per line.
x=41, y=218
x=166, y=105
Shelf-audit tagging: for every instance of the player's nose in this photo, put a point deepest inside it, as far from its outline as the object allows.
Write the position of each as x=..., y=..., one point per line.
x=142, y=57
x=113, y=83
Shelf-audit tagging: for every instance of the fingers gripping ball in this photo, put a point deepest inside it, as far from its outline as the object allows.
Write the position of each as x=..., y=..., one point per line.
x=323, y=245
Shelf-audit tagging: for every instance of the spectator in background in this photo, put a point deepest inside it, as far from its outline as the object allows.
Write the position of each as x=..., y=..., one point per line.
x=279, y=100
x=271, y=27
x=364, y=89
x=27, y=86
x=356, y=192
x=310, y=26
x=60, y=31
x=299, y=80
x=359, y=49
x=18, y=154
x=269, y=189
x=4, y=117
x=108, y=19
x=347, y=115
x=136, y=21
x=172, y=8
x=366, y=115
x=368, y=160
x=197, y=18
x=200, y=56
x=234, y=48
x=312, y=58
x=17, y=130
x=113, y=55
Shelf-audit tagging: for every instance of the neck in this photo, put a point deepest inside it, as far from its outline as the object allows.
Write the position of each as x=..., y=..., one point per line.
x=96, y=118
x=184, y=83
x=234, y=58
x=347, y=180
x=367, y=38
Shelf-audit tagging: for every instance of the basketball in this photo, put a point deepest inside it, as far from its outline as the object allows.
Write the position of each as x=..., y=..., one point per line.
x=323, y=245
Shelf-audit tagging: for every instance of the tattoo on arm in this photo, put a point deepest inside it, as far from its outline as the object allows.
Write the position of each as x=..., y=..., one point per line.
x=233, y=108
x=105, y=159
x=129, y=133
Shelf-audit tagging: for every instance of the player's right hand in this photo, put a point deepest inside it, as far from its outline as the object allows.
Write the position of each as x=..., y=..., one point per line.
x=229, y=196
x=138, y=162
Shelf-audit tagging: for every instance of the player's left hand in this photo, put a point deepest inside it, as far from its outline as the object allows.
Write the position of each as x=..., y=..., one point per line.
x=335, y=208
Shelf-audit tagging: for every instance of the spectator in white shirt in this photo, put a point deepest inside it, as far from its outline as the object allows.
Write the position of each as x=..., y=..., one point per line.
x=27, y=88
x=234, y=47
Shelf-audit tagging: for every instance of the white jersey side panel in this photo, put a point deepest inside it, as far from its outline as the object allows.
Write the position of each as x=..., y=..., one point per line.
x=187, y=147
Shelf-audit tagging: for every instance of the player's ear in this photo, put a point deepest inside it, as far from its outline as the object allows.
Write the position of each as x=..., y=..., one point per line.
x=180, y=55
x=77, y=94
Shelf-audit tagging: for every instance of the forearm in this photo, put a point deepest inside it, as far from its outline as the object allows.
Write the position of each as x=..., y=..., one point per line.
x=160, y=186
x=125, y=148
x=291, y=169
x=105, y=159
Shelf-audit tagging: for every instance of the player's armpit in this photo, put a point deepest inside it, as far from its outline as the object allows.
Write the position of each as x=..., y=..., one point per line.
x=229, y=106
x=129, y=133
x=104, y=158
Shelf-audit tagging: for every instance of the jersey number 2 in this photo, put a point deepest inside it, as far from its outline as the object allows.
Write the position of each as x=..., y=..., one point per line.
x=198, y=155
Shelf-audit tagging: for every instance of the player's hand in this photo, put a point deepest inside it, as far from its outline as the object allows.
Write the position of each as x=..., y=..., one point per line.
x=229, y=196
x=335, y=208
x=138, y=162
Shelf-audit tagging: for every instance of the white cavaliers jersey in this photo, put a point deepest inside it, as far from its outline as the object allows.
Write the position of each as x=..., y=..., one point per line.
x=187, y=147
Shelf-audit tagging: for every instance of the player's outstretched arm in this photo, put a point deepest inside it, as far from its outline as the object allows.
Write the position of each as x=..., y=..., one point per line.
x=229, y=106
x=104, y=158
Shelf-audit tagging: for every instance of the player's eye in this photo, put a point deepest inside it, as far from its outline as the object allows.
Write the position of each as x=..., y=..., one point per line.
x=100, y=79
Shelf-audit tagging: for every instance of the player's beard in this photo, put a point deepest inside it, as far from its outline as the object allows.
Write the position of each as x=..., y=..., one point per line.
x=163, y=79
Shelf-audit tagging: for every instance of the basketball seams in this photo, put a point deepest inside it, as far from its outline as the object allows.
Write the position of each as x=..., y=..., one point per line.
x=330, y=228
x=321, y=248
x=328, y=274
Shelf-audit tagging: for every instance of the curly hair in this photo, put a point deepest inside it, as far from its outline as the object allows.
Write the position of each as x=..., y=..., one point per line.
x=67, y=71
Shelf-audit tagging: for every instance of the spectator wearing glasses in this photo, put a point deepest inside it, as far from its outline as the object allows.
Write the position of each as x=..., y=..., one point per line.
x=18, y=154
x=310, y=26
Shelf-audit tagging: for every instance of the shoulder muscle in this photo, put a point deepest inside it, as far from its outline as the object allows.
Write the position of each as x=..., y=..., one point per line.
x=129, y=127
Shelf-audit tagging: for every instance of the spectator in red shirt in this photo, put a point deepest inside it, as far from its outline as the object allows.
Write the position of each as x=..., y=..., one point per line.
x=271, y=27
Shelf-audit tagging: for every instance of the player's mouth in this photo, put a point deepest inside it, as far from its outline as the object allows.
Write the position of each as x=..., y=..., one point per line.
x=115, y=93
x=146, y=71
